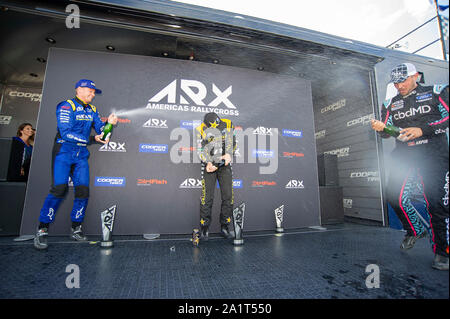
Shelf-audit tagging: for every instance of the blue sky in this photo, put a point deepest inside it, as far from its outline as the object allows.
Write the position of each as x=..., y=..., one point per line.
x=379, y=22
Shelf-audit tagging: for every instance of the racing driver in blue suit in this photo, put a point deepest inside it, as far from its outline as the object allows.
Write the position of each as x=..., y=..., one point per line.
x=75, y=118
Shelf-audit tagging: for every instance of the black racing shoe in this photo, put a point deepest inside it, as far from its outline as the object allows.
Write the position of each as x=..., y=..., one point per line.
x=40, y=240
x=410, y=241
x=204, y=233
x=77, y=234
x=226, y=232
x=440, y=262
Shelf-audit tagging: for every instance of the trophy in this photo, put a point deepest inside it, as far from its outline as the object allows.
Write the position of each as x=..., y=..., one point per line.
x=279, y=218
x=238, y=219
x=195, y=236
x=107, y=217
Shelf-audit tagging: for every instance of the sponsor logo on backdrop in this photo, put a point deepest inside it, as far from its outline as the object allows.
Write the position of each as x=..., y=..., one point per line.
x=347, y=202
x=340, y=152
x=152, y=181
x=189, y=96
x=292, y=133
x=333, y=107
x=262, y=153
x=293, y=154
x=191, y=183
x=110, y=181
x=237, y=183
x=187, y=149
x=263, y=183
x=5, y=119
x=371, y=176
x=119, y=120
x=364, y=120
x=295, y=184
x=261, y=130
x=155, y=123
x=153, y=148
x=190, y=125
x=423, y=109
x=113, y=147
x=34, y=97
x=320, y=134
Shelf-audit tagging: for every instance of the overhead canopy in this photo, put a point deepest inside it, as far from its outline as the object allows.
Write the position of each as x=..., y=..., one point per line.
x=174, y=30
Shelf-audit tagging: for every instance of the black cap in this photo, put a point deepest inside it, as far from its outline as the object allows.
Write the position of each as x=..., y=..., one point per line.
x=211, y=119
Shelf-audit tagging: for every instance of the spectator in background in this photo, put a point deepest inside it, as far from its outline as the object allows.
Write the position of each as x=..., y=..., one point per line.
x=21, y=151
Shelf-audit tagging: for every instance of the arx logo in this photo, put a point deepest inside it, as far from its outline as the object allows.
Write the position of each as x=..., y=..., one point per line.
x=295, y=184
x=191, y=183
x=113, y=147
x=261, y=130
x=196, y=91
x=156, y=123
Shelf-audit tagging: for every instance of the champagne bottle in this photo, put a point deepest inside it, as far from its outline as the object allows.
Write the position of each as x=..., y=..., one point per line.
x=392, y=130
x=107, y=129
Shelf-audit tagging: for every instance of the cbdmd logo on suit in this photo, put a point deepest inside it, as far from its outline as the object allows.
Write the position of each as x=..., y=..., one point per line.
x=423, y=109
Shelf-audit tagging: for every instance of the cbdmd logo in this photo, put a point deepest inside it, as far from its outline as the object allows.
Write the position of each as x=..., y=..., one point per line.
x=423, y=109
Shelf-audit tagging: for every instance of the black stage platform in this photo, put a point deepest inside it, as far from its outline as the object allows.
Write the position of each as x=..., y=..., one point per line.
x=305, y=263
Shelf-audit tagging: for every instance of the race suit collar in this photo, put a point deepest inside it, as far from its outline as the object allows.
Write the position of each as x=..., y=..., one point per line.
x=80, y=101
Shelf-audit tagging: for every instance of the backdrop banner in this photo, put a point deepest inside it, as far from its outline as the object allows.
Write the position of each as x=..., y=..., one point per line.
x=150, y=168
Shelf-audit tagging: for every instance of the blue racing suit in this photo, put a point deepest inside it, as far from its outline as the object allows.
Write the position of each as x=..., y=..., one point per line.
x=70, y=158
x=425, y=157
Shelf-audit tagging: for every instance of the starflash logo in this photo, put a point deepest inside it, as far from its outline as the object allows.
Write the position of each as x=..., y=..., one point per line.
x=189, y=87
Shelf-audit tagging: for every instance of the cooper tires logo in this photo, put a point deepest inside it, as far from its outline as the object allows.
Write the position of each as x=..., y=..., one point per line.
x=110, y=181
x=34, y=97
